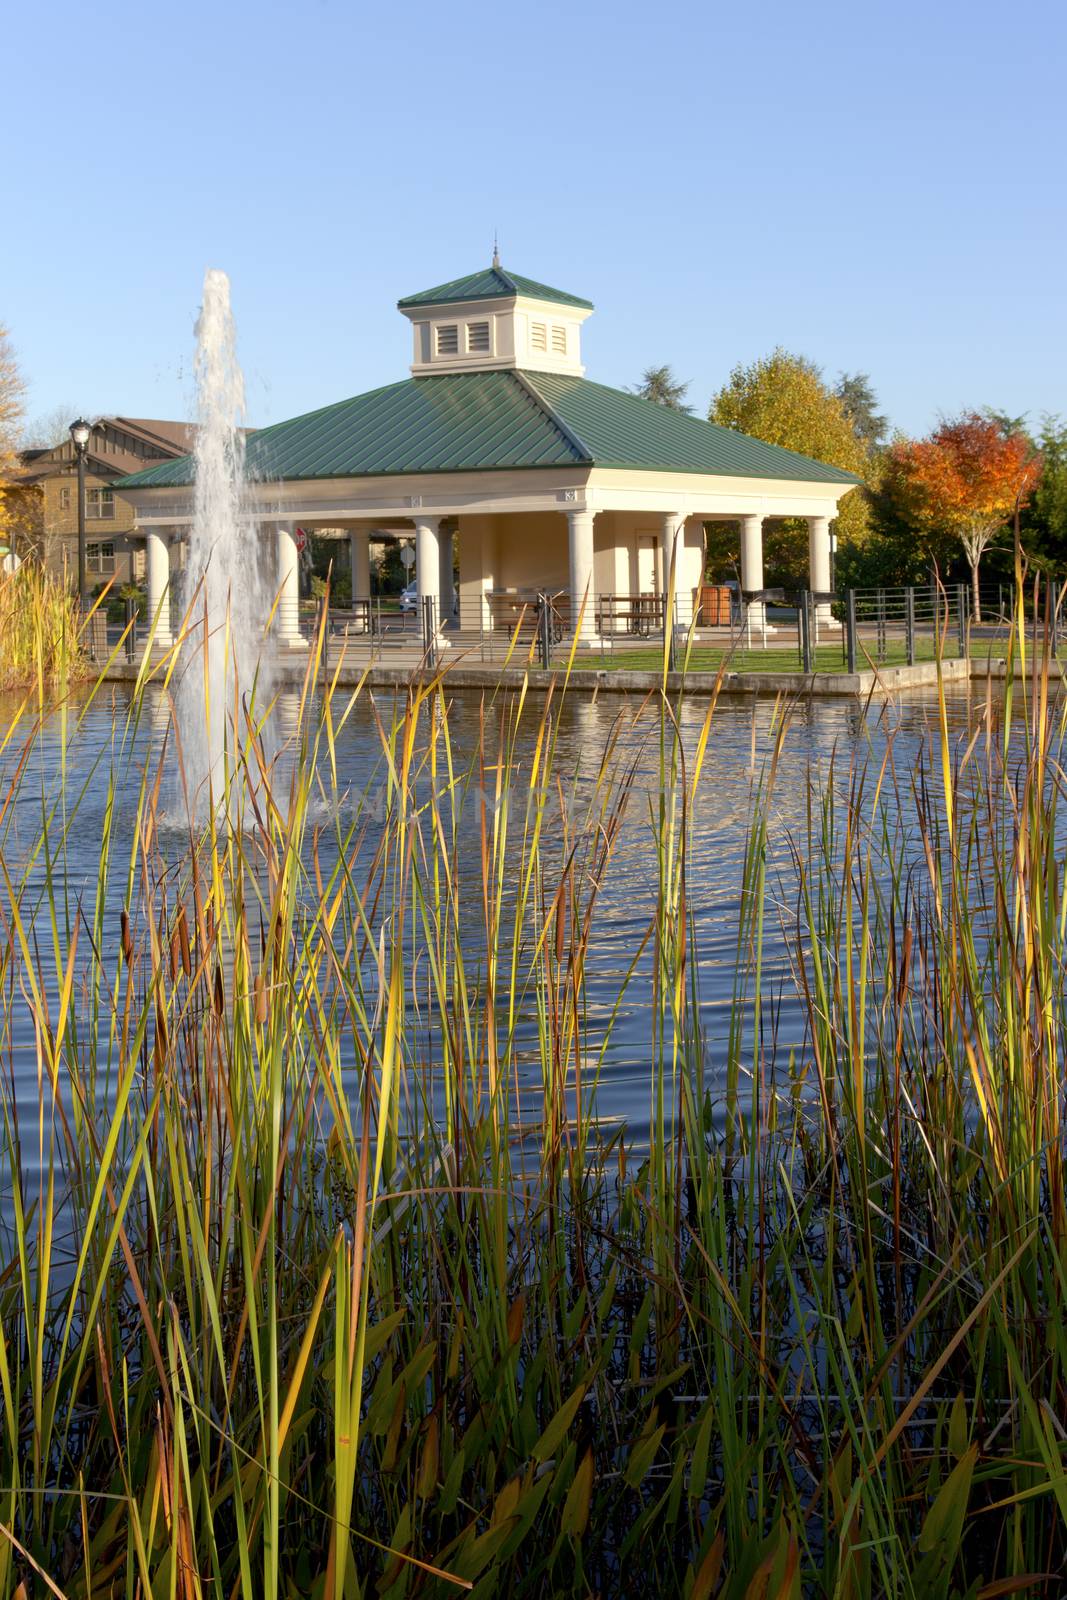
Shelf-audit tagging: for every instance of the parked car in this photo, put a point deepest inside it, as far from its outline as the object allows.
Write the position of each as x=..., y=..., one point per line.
x=409, y=599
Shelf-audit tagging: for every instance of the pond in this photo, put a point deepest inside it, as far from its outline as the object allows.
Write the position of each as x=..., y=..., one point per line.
x=68, y=764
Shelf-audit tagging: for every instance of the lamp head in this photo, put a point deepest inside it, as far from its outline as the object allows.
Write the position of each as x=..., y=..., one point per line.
x=80, y=432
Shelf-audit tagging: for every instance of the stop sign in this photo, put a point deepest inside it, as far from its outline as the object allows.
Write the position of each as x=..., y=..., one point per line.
x=300, y=539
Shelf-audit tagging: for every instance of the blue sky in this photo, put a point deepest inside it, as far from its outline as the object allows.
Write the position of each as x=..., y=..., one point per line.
x=880, y=187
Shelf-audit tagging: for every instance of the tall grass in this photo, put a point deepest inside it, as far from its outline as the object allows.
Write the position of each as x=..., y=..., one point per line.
x=305, y=1291
x=39, y=636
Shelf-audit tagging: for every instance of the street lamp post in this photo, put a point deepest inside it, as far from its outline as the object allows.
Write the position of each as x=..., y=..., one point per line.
x=80, y=433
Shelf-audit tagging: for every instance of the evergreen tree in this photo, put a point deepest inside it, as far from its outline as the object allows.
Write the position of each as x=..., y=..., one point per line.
x=860, y=405
x=659, y=384
x=1044, y=521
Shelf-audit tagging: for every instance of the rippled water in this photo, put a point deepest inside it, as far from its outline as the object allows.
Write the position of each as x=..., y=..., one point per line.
x=76, y=750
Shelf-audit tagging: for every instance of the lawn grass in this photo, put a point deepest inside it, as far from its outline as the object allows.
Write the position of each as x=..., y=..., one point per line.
x=710, y=658
x=826, y=658
x=274, y=1324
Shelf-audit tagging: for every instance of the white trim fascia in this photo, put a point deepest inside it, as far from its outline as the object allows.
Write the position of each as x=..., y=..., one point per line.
x=711, y=495
x=443, y=309
x=382, y=499
x=504, y=493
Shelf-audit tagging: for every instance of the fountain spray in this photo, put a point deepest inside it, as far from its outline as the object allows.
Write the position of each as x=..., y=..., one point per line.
x=226, y=595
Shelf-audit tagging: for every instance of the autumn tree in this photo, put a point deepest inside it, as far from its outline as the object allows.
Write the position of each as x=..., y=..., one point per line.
x=12, y=390
x=784, y=399
x=966, y=479
x=899, y=551
x=660, y=384
x=23, y=517
x=1043, y=523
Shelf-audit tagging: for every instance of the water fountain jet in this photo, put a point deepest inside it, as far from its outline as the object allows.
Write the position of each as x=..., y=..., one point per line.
x=226, y=598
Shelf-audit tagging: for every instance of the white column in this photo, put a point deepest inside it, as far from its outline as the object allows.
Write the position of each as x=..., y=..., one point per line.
x=752, y=568
x=359, y=553
x=660, y=566
x=477, y=568
x=446, y=582
x=157, y=551
x=672, y=543
x=582, y=587
x=691, y=547
x=287, y=616
x=819, y=566
x=428, y=566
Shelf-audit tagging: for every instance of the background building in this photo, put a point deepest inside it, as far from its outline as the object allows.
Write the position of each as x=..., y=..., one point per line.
x=118, y=446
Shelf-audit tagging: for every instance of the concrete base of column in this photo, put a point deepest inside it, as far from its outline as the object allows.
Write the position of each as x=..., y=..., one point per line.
x=586, y=632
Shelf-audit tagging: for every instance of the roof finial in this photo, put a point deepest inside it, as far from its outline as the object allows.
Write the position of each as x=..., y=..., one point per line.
x=496, y=253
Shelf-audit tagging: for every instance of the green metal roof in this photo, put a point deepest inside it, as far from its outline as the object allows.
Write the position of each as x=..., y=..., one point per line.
x=624, y=430
x=485, y=421
x=453, y=423
x=492, y=284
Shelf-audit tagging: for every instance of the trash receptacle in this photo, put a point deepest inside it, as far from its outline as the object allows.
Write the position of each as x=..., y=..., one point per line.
x=714, y=605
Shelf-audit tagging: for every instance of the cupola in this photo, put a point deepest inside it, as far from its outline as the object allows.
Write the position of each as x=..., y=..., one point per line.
x=492, y=320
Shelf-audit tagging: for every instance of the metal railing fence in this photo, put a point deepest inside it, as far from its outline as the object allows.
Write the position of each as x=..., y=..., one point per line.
x=770, y=630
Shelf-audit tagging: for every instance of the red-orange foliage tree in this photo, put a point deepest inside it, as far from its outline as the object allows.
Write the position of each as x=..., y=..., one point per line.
x=969, y=475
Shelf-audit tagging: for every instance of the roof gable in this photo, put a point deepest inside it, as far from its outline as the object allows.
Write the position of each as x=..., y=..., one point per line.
x=172, y=437
x=492, y=284
x=113, y=447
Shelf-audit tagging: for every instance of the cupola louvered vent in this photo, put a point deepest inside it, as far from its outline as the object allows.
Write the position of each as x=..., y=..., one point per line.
x=494, y=321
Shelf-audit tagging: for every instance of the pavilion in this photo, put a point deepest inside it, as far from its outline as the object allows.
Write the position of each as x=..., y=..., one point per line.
x=548, y=481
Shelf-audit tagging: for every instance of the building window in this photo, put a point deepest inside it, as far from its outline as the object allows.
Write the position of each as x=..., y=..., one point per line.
x=538, y=336
x=100, y=558
x=64, y=499
x=478, y=338
x=448, y=339
x=99, y=505
x=559, y=339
